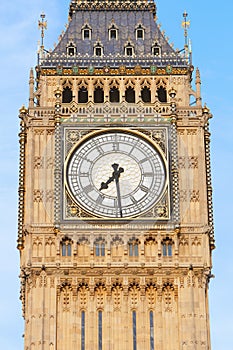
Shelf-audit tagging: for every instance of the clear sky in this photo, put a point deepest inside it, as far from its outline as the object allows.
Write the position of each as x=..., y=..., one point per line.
x=211, y=34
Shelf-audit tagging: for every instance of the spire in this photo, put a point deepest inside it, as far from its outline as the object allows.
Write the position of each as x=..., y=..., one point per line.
x=198, y=87
x=42, y=25
x=187, y=44
x=31, y=89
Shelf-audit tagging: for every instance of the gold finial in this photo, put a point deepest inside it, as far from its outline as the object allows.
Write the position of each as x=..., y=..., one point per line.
x=23, y=110
x=42, y=25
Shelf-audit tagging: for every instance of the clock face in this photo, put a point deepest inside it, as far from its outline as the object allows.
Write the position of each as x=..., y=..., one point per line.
x=115, y=174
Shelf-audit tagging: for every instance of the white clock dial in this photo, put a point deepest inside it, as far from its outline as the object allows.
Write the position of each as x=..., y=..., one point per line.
x=115, y=174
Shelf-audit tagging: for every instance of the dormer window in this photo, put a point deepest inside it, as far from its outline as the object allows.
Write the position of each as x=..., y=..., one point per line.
x=156, y=50
x=140, y=32
x=86, y=32
x=129, y=50
x=98, y=50
x=113, y=32
x=71, y=49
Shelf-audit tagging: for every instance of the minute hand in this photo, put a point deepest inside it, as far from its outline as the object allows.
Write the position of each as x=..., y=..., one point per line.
x=116, y=175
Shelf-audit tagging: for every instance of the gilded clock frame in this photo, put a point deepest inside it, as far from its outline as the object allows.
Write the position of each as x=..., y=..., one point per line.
x=68, y=211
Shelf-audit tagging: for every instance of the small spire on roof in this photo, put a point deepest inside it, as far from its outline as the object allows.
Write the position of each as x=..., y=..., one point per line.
x=42, y=25
x=186, y=25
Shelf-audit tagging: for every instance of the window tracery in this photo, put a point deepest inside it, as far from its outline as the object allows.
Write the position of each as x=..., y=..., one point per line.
x=130, y=92
x=66, y=247
x=134, y=247
x=167, y=247
x=99, y=247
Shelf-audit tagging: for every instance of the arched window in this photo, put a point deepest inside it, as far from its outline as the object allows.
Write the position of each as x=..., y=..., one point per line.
x=98, y=95
x=130, y=95
x=146, y=95
x=167, y=247
x=67, y=95
x=162, y=94
x=114, y=95
x=99, y=248
x=83, y=95
x=66, y=247
x=133, y=248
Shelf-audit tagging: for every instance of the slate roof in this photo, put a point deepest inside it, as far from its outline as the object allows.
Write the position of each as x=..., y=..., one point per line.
x=126, y=16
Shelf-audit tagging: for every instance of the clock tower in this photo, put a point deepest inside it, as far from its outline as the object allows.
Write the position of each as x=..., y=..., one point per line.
x=115, y=225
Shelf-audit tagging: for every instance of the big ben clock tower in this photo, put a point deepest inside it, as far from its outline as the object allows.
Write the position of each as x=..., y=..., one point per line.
x=115, y=204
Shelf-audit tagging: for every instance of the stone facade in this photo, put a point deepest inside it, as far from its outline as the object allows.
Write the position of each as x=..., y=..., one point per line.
x=90, y=282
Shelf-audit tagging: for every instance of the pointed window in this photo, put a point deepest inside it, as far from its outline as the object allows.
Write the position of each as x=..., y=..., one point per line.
x=162, y=94
x=83, y=95
x=146, y=95
x=133, y=248
x=99, y=248
x=98, y=95
x=67, y=95
x=130, y=95
x=66, y=247
x=167, y=247
x=114, y=95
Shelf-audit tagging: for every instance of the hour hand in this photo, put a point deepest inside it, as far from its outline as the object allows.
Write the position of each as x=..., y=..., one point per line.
x=104, y=185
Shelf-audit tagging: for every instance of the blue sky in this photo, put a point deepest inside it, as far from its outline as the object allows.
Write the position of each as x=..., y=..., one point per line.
x=211, y=34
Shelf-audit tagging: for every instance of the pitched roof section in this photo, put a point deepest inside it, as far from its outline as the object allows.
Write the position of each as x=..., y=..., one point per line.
x=126, y=17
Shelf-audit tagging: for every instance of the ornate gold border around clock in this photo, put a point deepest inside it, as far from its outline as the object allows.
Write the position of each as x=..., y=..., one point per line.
x=158, y=208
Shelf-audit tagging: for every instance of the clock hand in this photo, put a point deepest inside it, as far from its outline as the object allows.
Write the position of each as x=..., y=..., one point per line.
x=104, y=185
x=115, y=176
x=117, y=172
